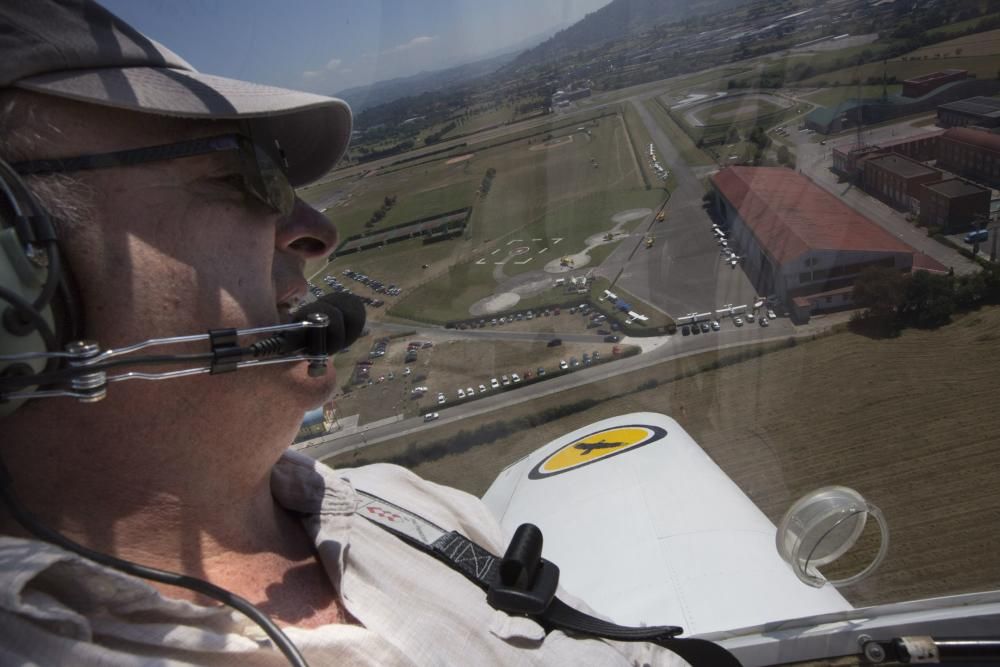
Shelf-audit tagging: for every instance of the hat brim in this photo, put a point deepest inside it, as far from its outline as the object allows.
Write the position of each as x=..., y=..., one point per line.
x=313, y=130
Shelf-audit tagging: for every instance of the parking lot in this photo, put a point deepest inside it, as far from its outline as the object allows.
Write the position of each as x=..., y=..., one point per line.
x=683, y=271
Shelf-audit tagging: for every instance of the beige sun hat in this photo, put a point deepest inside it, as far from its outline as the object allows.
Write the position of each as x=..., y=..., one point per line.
x=78, y=50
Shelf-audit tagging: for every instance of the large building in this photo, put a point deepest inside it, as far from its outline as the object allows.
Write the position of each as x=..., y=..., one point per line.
x=978, y=111
x=800, y=242
x=921, y=85
x=974, y=154
x=920, y=147
x=954, y=205
x=897, y=180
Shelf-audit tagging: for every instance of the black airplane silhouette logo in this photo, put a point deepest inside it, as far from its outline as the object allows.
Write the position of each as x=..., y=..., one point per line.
x=588, y=447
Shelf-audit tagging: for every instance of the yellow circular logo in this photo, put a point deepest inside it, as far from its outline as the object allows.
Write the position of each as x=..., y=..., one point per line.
x=596, y=447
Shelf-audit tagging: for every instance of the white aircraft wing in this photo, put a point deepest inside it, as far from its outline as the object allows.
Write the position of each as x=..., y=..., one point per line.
x=647, y=529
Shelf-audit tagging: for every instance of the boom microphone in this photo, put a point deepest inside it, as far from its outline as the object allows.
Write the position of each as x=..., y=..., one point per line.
x=320, y=329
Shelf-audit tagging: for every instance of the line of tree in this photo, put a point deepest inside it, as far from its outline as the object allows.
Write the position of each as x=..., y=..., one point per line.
x=893, y=300
x=380, y=212
x=435, y=137
x=484, y=187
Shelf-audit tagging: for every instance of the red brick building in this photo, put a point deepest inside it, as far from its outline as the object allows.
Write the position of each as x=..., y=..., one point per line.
x=954, y=205
x=921, y=85
x=897, y=180
x=971, y=153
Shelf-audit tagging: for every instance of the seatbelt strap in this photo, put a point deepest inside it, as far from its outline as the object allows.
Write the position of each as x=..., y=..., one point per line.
x=523, y=583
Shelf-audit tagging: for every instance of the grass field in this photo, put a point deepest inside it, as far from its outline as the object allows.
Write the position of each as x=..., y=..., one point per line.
x=909, y=422
x=977, y=53
x=547, y=197
x=734, y=111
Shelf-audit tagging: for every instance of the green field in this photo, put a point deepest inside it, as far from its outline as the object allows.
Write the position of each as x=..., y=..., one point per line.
x=735, y=111
x=546, y=199
x=977, y=53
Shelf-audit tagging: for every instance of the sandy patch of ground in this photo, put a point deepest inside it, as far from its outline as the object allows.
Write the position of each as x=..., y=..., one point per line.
x=553, y=143
x=495, y=303
x=459, y=158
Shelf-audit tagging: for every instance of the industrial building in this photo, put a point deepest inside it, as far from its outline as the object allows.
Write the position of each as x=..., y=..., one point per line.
x=853, y=112
x=921, y=85
x=954, y=205
x=801, y=243
x=973, y=154
x=897, y=180
x=978, y=111
x=921, y=147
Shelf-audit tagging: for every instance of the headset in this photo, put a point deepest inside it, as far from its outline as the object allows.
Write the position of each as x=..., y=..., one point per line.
x=43, y=355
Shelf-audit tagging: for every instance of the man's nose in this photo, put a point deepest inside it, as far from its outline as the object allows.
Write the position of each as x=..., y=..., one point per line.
x=306, y=232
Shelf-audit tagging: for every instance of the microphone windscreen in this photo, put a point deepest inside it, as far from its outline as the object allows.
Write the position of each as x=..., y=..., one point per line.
x=347, y=318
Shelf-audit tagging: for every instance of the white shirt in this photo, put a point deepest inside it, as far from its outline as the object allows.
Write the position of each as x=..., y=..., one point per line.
x=57, y=608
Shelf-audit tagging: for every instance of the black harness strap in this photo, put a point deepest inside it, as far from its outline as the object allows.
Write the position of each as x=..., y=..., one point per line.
x=524, y=583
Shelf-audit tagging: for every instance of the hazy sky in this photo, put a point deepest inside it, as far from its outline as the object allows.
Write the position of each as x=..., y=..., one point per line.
x=328, y=45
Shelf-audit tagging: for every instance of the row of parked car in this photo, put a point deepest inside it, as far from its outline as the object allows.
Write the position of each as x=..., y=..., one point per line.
x=376, y=285
x=714, y=325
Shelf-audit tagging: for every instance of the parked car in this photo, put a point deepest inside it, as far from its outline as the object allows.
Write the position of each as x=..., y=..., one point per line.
x=494, y=384
x=461, y=393
x=563, y=365
x=770, y=314
x=705, y=328
x=541, y=371
x=573, y=362
x=612, y=338
x=715, y=325
x=555, y=342
x=750, y=316
x=482, y=389
x=515, y=377
x=738, y=321
x=431, y=416
x=764, y=322
x=441, y=399
x=504, y=380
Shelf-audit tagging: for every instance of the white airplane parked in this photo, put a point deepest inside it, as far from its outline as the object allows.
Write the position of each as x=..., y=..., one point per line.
x=648, y=530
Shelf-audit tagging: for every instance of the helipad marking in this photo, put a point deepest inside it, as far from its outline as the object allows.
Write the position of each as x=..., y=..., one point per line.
x=595, y=447
x=481, y=260
x=556, y=240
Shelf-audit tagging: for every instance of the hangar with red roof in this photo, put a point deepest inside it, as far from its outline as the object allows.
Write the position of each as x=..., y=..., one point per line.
x=800, y=242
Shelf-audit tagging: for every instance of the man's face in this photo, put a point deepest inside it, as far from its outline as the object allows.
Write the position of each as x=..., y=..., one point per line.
x=179, y=247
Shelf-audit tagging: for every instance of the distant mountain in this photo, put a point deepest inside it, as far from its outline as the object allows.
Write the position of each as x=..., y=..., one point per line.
x=382, y=92
x=616, y=20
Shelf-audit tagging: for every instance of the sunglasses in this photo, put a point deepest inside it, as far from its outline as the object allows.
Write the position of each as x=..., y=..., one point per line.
x=264, y=176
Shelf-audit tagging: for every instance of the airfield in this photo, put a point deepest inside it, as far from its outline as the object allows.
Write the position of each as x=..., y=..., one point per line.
x=576, y=195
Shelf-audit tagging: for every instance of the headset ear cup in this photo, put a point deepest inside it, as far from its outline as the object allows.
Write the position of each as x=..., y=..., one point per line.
x=335, y=331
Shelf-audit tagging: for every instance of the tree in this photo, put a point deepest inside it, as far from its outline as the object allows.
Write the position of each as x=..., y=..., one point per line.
x=880, y=291
x=929, y=300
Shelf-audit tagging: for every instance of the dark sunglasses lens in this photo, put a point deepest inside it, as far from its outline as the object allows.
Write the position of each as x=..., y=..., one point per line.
x=277, y=191
x=265, y=179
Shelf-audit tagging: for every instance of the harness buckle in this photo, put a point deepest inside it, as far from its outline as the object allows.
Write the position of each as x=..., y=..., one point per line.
x=526, y=583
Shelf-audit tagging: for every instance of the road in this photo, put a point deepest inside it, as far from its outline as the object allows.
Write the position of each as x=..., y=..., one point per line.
x=662, y=349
